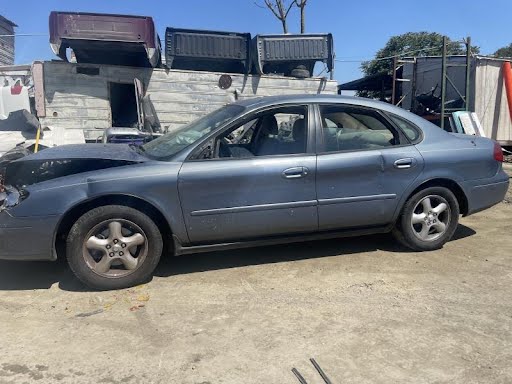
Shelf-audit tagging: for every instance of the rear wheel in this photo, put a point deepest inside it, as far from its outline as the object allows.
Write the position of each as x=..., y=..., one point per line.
x=113, y=247
x=428, y=220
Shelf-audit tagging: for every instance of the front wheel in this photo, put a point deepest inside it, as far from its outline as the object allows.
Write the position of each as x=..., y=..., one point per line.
x=428, y=219
x=113, y=247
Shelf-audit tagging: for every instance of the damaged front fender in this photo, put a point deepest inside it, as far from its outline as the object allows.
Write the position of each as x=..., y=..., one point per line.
x=23, y=173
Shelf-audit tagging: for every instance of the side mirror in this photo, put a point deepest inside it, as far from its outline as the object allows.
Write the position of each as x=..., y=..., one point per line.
x=206, y=151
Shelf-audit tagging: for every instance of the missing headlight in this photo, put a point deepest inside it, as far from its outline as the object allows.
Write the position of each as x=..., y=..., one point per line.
x=10, y=197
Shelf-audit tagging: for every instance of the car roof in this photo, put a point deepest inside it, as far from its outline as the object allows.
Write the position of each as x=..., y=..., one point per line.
x=308, y=98
x=326, y=98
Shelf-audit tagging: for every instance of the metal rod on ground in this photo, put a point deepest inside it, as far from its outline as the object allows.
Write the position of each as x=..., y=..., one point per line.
x=468, y=71
x=443, y=83
x=301, y=379
x=320, y=371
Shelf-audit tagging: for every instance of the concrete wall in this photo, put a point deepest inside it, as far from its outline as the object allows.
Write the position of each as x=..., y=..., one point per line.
x=81, y=102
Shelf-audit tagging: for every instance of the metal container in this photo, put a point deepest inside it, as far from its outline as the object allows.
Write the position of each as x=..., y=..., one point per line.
x=105, y=39
x=292, y=55
x=213, y=51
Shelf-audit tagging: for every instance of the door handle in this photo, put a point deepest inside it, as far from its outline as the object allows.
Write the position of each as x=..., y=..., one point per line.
x=404, y=163
x=295, y=172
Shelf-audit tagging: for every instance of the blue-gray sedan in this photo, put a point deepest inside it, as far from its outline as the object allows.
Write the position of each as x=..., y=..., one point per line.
x=261, y=171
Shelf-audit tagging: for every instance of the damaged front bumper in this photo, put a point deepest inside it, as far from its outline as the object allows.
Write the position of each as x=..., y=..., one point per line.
x=24, y=238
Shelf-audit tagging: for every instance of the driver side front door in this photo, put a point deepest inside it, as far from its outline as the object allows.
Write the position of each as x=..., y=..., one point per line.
x=255, y=195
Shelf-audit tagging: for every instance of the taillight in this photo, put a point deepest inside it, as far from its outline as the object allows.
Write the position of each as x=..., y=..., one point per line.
x=498, y=153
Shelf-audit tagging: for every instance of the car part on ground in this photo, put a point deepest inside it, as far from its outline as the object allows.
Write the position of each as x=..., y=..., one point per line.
x=105, y=39
x=200, y=50
x=292, y=55
x=114, y=247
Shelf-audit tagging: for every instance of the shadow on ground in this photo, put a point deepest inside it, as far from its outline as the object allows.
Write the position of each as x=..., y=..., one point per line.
x=42, y=275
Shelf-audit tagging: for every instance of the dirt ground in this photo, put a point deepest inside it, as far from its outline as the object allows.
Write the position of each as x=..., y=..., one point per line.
x=366, y=309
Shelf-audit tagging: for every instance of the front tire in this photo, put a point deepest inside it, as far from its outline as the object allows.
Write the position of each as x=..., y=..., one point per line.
x=113, y=247
x=428, y=220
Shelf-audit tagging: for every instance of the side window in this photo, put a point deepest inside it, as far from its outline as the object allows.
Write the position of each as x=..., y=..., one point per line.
x=280, y=131
x=350, y=128
x=408, y=128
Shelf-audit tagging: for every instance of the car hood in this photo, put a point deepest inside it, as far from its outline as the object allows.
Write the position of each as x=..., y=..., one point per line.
x=88, y=151
x=68, y=160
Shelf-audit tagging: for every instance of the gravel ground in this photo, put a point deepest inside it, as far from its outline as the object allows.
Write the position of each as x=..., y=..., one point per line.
x=366, y=309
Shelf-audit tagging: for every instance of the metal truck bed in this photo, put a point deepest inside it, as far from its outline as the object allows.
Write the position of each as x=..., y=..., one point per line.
x=105, y=39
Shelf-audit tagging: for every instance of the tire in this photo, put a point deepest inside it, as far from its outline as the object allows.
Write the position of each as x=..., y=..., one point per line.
x=420, y=228
x=301, y=72
x=113, y=247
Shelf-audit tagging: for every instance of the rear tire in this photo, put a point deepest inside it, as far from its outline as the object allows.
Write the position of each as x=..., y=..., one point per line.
x=428, y=219
x=113, y=247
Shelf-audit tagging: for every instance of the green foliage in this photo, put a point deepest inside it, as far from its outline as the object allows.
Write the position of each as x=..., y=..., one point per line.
x=504, y=52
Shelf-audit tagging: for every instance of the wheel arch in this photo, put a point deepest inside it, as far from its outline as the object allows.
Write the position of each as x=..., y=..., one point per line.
x=72, y=214
x=452, y=185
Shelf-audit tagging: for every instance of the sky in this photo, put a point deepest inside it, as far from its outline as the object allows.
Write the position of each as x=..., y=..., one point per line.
x=360, y=27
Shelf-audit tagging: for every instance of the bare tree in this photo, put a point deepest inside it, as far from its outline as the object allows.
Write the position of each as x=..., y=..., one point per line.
x=302, y=6
x=280, y=9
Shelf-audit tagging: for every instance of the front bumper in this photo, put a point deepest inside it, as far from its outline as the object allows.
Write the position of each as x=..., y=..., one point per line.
x=27, y=238
x=483, y=194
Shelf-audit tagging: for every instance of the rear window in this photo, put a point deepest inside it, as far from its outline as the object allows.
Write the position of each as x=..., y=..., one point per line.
x=412, y=132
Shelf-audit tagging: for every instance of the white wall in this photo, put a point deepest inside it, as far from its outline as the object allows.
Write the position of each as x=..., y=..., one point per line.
x=81, y=102
x=491, y=100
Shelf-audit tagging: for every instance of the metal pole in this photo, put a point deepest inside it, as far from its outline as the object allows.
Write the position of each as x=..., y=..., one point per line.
x=393, y=93
x=443, y=83
x=414, y=81
x=468, y=71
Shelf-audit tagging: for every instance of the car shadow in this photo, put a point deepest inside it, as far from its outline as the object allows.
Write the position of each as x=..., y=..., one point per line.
x=15, y=276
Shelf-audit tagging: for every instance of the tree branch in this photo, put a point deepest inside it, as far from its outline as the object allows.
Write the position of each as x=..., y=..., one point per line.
x=271, y=7
x=289, y=9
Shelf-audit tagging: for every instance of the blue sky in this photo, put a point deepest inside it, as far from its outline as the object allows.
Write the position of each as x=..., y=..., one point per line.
x=360, y=27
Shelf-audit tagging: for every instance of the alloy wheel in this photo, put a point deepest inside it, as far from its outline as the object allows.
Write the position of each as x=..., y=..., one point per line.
x=431, y=217
x=115, y=248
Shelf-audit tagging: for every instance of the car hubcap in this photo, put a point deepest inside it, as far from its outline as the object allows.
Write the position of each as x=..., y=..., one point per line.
x=430, y=218
x=115, y=248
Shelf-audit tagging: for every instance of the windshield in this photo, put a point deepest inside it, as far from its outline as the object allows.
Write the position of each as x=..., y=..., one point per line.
x=168, y=145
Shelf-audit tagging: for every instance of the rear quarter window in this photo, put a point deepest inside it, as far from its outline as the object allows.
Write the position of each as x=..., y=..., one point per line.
x=410, y=130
